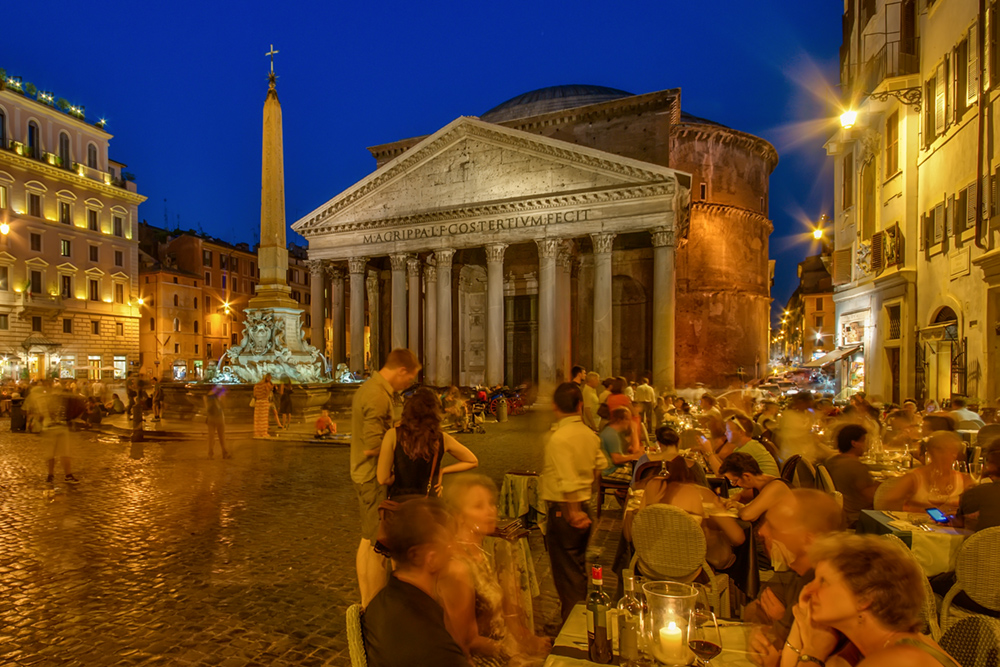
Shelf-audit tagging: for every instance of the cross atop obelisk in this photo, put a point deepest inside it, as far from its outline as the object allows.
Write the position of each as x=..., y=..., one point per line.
x=271, y=54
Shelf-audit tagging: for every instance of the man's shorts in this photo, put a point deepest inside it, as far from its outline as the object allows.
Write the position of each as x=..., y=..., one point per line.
x=370, y=495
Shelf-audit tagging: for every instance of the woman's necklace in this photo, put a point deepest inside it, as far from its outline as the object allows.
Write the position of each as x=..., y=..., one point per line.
x=889, y=639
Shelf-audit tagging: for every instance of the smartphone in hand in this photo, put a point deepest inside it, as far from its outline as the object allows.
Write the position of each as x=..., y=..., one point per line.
x=937, y=515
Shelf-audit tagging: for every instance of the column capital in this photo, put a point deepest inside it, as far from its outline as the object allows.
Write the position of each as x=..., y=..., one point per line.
x=430, y=273
x=398, y=262
x=494, y=252
x=357, y=264
x=413, y=267
x=315, y=266
x=662, y=237
x=334, y=272
x=442, y=258
x=603, y=242
x=548, y=248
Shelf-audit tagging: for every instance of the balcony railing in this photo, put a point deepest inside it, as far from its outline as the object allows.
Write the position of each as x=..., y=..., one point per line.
x=41, y=304
x=897, y=58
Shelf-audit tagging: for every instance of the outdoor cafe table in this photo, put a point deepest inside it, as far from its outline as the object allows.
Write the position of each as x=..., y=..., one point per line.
x=519, y=499
x=936, y=550
x=570, y=648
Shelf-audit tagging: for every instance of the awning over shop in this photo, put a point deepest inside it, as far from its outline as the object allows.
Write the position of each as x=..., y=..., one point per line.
x=39, y=341
x=831, y=357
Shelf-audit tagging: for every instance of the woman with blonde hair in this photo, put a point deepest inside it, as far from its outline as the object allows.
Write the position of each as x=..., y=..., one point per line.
x=935, y=484
x=262, y=406
x=479, y=594
x=867, y=591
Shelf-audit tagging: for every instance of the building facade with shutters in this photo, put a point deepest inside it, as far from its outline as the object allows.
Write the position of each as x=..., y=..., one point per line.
x=916, y=264
x=68, y=251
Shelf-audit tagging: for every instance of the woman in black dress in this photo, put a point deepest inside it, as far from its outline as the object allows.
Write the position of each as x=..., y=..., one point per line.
x=410, y=460
x=285, y=404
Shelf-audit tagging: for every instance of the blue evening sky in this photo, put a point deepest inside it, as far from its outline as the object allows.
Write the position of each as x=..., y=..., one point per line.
x=182, y=85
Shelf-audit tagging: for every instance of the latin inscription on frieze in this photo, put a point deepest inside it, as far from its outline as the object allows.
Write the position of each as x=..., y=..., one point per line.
x=496, y=226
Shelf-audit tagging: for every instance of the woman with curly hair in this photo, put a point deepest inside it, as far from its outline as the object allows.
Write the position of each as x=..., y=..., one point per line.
x=410, y=460
x=868, y=592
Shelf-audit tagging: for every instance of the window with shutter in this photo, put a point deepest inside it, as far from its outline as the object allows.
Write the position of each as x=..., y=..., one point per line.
x=930, y=92
x=950, y=218
x=939, y=223
x=972, y=77
x=970, y=218
x=961, y=202
x=878, y=252
x=892, y=144
x=842, y=266
x=940, y=105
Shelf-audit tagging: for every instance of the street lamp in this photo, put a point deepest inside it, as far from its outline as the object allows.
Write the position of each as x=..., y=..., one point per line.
x=848, y=118
x=4, y=228
x=818, y=233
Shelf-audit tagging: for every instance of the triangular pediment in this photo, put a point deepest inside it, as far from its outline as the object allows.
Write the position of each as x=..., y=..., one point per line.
x=470, y=163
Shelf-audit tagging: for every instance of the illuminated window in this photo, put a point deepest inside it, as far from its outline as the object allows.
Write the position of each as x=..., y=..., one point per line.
x=4, y=278
x=65, y=213
x=3, y=196
x=892, y=144
x=65, y=248
x=94, y=290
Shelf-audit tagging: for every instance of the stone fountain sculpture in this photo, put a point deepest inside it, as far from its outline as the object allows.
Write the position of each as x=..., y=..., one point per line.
x=273, y=340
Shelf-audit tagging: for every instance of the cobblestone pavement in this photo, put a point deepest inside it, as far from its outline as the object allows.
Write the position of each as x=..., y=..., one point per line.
x=176, y=559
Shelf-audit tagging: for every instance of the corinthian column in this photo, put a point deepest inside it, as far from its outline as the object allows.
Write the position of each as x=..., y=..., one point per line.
x=316, y=298
x=337, y=325
x=413, y=274
x=602, y=302
x=494, y=313
x=664, y=294
x=547, y=251
x=443, y=362
x=374, y=330
x=430, y=323
x=563, y=340
x=356, y=267
x=398, y=300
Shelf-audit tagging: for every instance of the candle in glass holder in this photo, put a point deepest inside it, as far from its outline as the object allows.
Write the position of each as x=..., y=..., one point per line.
x=670, y=648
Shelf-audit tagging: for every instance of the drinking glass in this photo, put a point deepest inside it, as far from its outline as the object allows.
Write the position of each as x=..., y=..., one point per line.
x=704, y=638
x=960, y=466
x=976, y=470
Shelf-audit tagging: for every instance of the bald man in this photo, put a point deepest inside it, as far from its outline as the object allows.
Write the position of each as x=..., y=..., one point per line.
x=789, y=530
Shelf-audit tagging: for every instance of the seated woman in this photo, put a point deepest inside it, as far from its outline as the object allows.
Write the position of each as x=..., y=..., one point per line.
x=935, y=484
x=762, y=491
x=678, y=488
x=867, y=591
x=668, y=441
x=480, y=600
x=617, y=433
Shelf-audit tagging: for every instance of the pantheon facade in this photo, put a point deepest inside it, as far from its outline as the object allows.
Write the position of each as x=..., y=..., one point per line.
x=569, y=225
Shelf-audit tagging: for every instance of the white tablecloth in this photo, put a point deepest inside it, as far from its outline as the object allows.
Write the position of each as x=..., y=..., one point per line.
x=936, y=550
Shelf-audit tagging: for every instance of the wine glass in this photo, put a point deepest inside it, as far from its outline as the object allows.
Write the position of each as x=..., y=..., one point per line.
x=960, y=466
x=976, y=470
x=704, y=638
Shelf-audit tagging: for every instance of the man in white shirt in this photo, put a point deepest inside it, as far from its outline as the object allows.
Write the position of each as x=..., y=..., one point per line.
x=590, y=400
x=645, y=398
x=572, y=459
x=961, y=412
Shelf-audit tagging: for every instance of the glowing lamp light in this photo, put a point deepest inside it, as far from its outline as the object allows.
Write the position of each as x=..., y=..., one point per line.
x=817, y=234
x=848, y=118
x=4, y=228
x=140, y=301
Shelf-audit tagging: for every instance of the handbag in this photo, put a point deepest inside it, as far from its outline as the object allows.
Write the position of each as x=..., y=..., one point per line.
x=387, y=508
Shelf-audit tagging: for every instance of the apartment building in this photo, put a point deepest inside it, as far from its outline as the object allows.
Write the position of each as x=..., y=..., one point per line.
x=68, y=249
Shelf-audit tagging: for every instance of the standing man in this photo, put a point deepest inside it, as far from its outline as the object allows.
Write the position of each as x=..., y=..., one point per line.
x=571, y=461
x=376, y=406
x=590, y=400
x=577, y=375
x=645, y=396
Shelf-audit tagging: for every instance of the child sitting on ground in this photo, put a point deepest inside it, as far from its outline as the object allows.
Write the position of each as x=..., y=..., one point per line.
x=325, y=427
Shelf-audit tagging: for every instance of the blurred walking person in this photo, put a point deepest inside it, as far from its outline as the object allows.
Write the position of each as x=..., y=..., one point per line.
x=262, y=406
x=215, y=418
x=58, y=408
x=157, y=397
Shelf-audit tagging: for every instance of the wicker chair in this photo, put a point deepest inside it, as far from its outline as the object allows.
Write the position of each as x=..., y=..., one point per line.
x=882, y=491
x=929, y=611
x=977, y=573
x=355, y=639
x=987, y=434
x=670, y=545
x=974, y=641
x=825, y=483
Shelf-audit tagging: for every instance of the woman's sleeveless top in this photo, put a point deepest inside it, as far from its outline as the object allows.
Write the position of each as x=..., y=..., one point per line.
x=412, y=475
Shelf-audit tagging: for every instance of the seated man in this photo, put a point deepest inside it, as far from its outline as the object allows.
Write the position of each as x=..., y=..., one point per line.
x=618, y=429
x=404, y=625
x=739, y=427
x=325, y=427
x=761, y=492
x=850, y=476
x=789, y=531
x=979, y=506
x=961, y=412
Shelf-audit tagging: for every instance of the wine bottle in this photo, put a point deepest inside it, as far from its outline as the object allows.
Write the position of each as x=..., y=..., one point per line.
x=598, y=602
x=629, y=623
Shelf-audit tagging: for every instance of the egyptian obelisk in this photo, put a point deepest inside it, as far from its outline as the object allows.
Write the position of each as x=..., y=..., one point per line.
x=272, y=255
x=273, y=341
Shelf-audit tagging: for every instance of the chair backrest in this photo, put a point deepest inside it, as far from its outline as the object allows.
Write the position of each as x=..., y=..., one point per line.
x=645, y=471
x=970, y=425
x=804, y=476
x=823, y=480
x=928, y=611
x=976, y=569
x=987, y=434
x=882, y=491
x=669, y=543
x=788, y=470
x=974, y=641
x=355, y=638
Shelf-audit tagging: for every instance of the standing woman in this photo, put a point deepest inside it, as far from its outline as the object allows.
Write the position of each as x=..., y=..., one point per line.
x=410, y=459
x=262, y=406
x=285, y=404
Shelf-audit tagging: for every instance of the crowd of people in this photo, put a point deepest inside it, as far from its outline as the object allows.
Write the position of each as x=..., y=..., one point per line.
x=831, y=599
